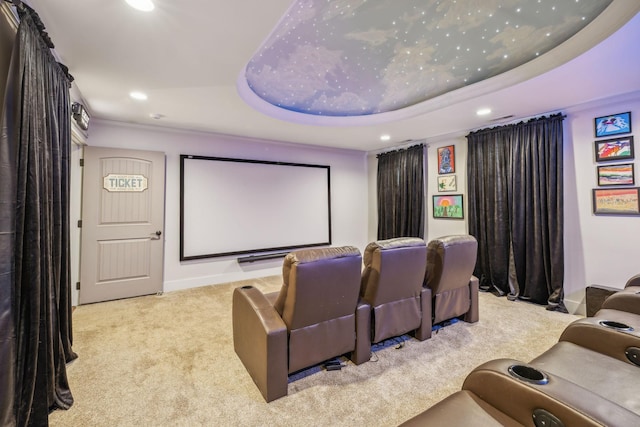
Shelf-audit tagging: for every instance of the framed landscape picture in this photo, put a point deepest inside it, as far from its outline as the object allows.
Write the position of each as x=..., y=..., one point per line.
x=446, y=159
x=619, y=201
x=619, y=174
x=448, y=207
x=614, y=124
x=447, y=183
x=614, y=149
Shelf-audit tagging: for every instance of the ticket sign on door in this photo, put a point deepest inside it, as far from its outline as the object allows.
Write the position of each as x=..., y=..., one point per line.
x=127, y=183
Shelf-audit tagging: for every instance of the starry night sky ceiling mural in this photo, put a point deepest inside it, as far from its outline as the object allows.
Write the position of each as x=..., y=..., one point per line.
x=362, y=57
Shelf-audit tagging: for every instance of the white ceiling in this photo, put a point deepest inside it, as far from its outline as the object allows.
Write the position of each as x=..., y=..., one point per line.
x=188, y=57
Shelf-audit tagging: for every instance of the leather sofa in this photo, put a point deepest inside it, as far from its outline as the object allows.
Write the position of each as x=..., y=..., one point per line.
x=316, y=316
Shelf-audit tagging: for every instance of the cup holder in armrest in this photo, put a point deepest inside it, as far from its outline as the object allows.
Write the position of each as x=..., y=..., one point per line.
x=528, y=374
x=615, y=325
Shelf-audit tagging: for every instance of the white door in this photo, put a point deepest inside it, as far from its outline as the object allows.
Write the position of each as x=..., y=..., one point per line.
x=122, y=252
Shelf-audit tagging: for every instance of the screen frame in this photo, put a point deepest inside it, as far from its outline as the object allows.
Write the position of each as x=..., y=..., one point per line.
x=254, y=250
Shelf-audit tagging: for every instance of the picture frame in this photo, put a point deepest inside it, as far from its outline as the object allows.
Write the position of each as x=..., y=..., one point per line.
x=448, y=207
x=616, y=201
x=617, y=174
x=446, y=160
x=614, y=149
x=447, y=183
x=613, y=124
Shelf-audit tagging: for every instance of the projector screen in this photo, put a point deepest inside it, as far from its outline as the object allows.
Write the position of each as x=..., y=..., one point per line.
x=236, y=206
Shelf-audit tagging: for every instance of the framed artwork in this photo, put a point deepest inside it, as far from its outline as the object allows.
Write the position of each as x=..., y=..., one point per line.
x=615, y=124
x=449, y=207
x=618, y=201
x=619, y=174
x=447, y=183
x=614, y=149
x=446, y=159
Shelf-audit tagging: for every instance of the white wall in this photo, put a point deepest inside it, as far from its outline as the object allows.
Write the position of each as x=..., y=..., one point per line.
x=599, y=249
x=348, y=192
x=437, y=227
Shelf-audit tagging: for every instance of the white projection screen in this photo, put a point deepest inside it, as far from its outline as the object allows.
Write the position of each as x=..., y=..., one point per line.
x=237, y=206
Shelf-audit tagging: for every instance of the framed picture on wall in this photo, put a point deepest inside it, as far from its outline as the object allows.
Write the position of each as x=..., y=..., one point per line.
x=614, y=149
x=614, y=124
x=448, y=207
x=446, y=160
x=619, y=174
x=618, y=201
x=447, y=183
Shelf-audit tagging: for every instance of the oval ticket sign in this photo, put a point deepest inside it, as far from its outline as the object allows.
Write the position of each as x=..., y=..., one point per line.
x=128, y=183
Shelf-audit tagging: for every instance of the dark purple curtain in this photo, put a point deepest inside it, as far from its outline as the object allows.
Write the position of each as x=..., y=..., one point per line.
x=515, y=209
x=400, y=182
x=35, y=307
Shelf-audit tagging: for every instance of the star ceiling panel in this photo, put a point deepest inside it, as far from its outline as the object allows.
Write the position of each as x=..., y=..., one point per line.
x=363, y=57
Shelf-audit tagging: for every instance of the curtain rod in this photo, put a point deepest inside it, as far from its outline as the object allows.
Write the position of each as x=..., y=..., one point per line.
x=520, y=120
x=403, y=145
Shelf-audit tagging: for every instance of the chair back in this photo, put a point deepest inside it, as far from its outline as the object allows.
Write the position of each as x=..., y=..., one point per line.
x=392, y=284
x=450, y=262
x=318, y=302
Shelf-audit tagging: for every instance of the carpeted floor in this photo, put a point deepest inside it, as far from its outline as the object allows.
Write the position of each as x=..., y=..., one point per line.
x=168, y=360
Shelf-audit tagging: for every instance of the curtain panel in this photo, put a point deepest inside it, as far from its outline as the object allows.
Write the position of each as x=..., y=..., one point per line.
x=516, y=211
x=400, y=188
x=35, y=310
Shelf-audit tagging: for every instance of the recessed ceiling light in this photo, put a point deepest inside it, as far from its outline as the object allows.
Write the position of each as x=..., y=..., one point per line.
x=143, y=5
x=483, y=111
x=138, y=96
x=385, y=137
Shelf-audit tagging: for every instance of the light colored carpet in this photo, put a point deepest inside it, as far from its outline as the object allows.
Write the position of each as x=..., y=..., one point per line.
x=168, y=360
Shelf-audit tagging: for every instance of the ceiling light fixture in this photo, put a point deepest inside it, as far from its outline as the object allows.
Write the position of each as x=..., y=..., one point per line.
x=139, y=96
x=385, y=137
x=143, y=5
x=483, y=111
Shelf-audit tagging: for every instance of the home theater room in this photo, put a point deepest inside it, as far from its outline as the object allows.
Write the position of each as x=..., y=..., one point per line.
x=319, y=213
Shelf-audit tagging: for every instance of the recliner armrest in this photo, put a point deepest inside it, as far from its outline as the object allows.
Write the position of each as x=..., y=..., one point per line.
x=424, y=331
x=362, y=352
x=633, y=281
x=260, y=341
x=627, y=299
x=473, y=315
x=613, y=341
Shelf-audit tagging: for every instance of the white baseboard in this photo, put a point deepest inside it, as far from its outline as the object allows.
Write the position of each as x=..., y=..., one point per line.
x=195, y=282
x=576, y=307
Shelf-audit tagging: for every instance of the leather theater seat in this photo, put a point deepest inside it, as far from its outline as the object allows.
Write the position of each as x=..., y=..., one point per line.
x=610, y=332
x=392, y=285
x=628, y=299
x=505, y=392
x=449, y=278
x=611, y=378
x=314, y=317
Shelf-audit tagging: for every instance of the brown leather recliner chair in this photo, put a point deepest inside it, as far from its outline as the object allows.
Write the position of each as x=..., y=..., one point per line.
x=505, y=392
x=449, y=278
x=627, y=299
x=392, y=285
x=315, y=316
